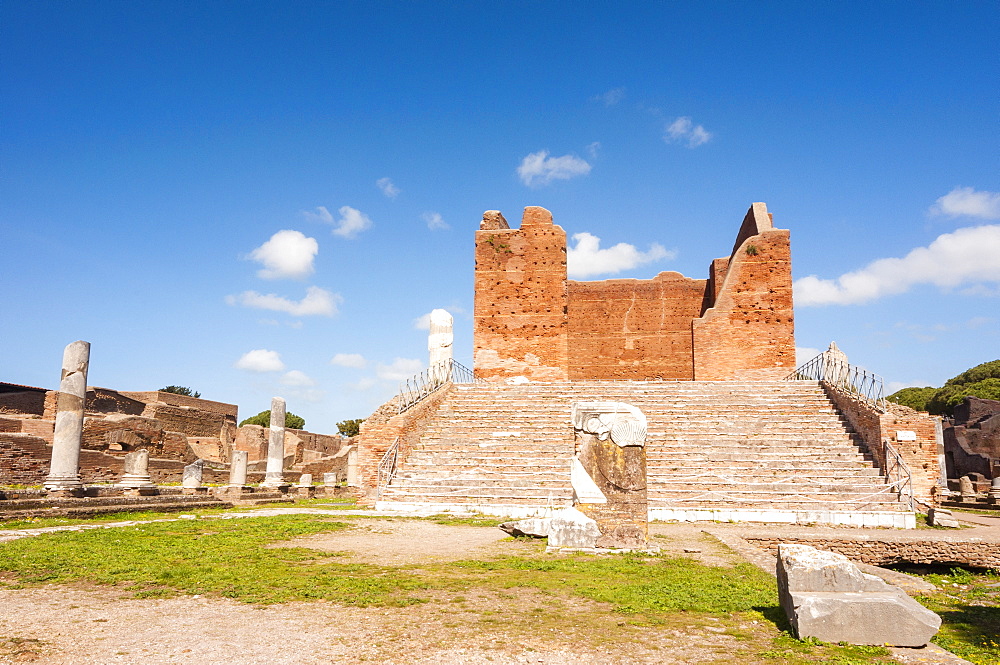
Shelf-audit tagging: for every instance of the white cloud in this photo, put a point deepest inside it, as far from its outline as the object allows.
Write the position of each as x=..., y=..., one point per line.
x=593, y=148
x=317, y=302
x=611, y=97
x=967, y=202
x=434, y=221
x=388, y=187
x=683, y=130
x=364, y=384
x=260, y=360
x=297, y=378
x=804, y=354
x=352, y=221
x=540, y=169
x=400, y=369
x=349, y=360
x=288, y=254
x=965, y=257
x=423, y=322
x=587, y=258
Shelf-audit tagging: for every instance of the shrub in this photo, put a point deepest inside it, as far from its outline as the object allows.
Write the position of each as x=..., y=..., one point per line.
x=263, y=419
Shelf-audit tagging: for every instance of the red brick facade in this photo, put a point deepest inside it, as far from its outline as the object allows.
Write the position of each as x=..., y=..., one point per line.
x=530, y=320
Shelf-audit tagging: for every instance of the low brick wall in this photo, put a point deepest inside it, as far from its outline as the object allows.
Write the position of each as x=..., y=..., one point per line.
x=921, y=456
x=380, y=430
x=973, y=552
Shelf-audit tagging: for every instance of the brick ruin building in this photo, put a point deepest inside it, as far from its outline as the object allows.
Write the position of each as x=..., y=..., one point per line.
x=734, y=432
x=531, y=321
x=175, y=429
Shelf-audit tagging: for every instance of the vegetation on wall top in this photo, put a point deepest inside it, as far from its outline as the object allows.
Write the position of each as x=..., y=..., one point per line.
x=980, y=381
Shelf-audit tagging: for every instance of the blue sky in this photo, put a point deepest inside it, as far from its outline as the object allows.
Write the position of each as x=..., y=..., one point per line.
x=257, y=199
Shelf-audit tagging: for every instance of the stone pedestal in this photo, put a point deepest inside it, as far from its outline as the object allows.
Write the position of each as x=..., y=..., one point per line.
x=136, y=480
x=274, y=476
x=994, y=496
x=64, y=471
x=305, y=487
x=608, y=473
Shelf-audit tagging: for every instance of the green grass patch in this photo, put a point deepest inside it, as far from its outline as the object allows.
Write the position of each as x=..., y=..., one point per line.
x=224, y=557
x=969, y=606
x=637, y=583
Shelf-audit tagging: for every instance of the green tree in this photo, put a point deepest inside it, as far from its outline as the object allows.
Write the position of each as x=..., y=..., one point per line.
x=915, y=398
x=263, y=419
x=947, y=398
x=350, y=427
x=180, y=390
x=980, y=381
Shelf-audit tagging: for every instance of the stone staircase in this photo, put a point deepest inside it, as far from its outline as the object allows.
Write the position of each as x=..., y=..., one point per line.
x=727, y=451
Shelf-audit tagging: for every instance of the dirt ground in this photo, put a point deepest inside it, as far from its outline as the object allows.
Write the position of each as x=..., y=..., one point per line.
x=99, y=625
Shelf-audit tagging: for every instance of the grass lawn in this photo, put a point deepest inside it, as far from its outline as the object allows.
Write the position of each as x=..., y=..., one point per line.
x=230, y=558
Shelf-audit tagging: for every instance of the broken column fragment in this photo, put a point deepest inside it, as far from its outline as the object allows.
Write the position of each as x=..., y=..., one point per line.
x=135, y=479
x=274, y=473
x=238, y=469
x=64, y=471
x=827, y=597
x=439, y=344
x=608, y=472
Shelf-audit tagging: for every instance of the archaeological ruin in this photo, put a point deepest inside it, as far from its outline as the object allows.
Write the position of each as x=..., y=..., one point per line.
x=735, y=431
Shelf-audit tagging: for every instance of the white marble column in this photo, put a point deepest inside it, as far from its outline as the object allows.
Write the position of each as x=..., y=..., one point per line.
x=440, y=338
x=64, y=472
x=274, y=475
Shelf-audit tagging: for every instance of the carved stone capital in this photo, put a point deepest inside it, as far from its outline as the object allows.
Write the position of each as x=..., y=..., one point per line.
x=623, y=423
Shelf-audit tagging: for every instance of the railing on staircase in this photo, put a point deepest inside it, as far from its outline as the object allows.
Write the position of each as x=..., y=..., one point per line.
x=898, y=474
x=845, y=378
x=387, y=468
x=430, y=380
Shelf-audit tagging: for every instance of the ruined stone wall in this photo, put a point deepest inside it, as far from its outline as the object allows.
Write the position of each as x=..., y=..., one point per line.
x=531, y=321
x=888, y=551
x=22, y=402
x=748, y=332
x=632, y=328
x=173, y=399
x=520, y=298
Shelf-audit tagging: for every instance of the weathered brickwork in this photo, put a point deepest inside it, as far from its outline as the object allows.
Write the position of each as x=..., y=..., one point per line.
x=531, y=321
x=633, y=328
x=748, y=332
x=520, y=298
x=922, y=456
x=21, y=399
x=877, y=551
x=384, y=427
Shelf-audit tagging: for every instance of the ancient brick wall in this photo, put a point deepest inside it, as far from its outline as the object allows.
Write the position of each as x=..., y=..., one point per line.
x=748, y=332
x=380, y=430
x=190, y=421
x=173, y=399
x=632, y=328
x=921, y=456
x=520, y=298
x=17, y=401
x=531, y=321
x=887, y=551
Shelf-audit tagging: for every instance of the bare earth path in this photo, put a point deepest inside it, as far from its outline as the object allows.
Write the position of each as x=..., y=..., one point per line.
x=98, y=625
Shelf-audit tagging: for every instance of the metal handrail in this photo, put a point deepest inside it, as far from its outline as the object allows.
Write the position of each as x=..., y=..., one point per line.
x=897, y=473
x=387, y=468
x=431, y=379
x=843, y=377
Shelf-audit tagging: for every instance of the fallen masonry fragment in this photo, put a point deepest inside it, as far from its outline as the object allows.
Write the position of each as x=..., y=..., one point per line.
x=827, y=597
